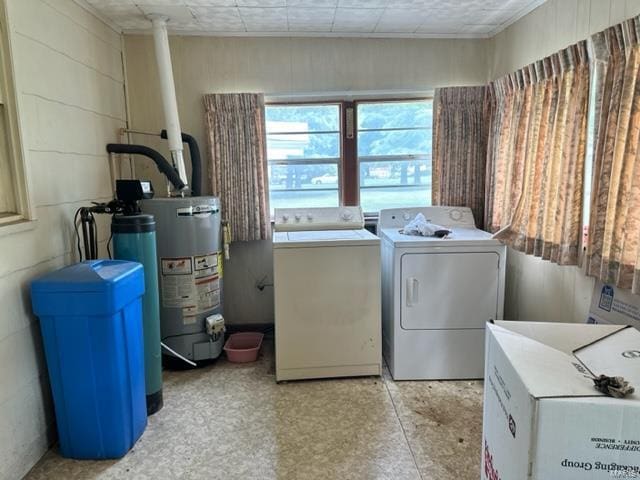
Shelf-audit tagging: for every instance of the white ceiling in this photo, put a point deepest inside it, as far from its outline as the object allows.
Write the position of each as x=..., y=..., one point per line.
x=365, y=18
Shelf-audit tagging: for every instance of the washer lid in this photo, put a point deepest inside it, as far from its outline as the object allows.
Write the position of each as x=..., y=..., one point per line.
x=460, y=237
x=323, y=238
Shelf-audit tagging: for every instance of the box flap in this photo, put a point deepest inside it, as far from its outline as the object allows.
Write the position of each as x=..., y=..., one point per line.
x=542, y=354
x=566, y=337
x=615, y=355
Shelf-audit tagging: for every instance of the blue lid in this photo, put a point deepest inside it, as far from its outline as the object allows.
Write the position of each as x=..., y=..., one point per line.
x=87, y=276
x=94, y=287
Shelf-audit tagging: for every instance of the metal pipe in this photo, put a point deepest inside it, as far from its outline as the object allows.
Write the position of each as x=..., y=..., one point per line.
x=168, y=92
x=159, y=160
x=138, y=132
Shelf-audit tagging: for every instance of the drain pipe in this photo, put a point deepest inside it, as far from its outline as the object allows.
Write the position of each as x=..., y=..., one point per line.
x=164, y=166
x=196, y=162
x=168, y=92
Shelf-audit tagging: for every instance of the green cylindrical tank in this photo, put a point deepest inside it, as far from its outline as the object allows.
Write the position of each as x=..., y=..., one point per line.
x=134, y=238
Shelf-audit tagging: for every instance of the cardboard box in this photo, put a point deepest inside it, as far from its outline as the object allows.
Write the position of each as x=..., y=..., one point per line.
x=611, y=305
x=543, y=418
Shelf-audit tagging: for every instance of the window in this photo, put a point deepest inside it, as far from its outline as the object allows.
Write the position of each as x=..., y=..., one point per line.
x=13, y=196
x=394, y=154
x=385, y=158
x=304, y=153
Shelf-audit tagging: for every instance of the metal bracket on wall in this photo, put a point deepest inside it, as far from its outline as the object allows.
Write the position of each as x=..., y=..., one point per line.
x=350, y=127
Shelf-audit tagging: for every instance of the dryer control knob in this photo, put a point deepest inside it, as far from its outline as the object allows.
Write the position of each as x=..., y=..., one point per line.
x=347, y=215
x=310, y=217
x=406, y=216
x=285, y=218
x=456, y=215
x=298, y=217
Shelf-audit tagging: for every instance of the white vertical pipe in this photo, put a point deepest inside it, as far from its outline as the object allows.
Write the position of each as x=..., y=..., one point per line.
x=168, y=92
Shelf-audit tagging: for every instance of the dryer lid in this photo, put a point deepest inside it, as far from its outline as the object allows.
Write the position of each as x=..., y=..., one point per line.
x=449, y=217
x=460, y=236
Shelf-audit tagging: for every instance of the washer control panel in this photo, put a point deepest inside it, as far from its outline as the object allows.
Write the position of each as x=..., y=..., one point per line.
x=331, y=218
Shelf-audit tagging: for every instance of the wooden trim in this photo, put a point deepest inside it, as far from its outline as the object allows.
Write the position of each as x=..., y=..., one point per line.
x=6, y=218
x=19, y=168
x=306, y=102
x=393, y=100
x=350, y=178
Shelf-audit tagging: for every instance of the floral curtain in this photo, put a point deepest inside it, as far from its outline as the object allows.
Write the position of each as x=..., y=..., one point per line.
x=460, y=148
x=613, y=248
x=236, y=147
x=536, y=151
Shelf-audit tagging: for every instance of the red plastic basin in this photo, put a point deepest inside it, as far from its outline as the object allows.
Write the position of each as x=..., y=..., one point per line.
x=243, y=347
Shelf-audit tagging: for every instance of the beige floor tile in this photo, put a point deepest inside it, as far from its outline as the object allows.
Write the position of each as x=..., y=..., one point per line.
x=229, y=421
x=443, y=424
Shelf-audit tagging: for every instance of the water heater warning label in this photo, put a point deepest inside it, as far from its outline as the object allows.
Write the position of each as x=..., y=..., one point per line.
x=191, y=283
x=177, y=266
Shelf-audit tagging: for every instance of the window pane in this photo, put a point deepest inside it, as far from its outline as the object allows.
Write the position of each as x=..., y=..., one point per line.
x=395, y=114
x=395, y=173
x=395, y=142
x=304, y=145
x=309, y=185
x=303, y=118
x=398, y=130
x=401, y=183
x=304, y=151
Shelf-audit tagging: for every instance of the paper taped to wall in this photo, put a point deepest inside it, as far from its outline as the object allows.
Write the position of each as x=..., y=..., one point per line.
x=614, y=305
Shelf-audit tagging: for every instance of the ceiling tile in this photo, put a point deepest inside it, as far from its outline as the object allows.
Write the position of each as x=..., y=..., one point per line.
x=400, y=20
x=481, y=29
x=102, y=4
x=220, y=25
x=440, y=28
x=132, y=22
x=264, y=19
x=216, y=13
x=210, y=3
x=176, y=13
x=468, y=16
x=120, y=10
x=171, y=3
x=332, y=17
x=262, y=3
x=363, y=3
x=310, y=19
x=312, y=3
x=356, y=20
x=502, y=4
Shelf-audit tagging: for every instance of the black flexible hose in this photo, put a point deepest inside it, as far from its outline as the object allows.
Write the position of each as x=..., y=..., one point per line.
x=164, y=166
x=196, y=162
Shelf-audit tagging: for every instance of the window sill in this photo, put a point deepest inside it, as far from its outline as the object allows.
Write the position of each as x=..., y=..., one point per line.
x=20, y=225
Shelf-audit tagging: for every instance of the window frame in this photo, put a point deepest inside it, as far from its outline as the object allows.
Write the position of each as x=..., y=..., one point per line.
x=356, y=131
x=349, y=163
x=15, y=149
x=341, y=136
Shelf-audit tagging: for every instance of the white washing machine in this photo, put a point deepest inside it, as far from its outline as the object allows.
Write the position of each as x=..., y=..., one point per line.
x=327, y=294
x=438, y=294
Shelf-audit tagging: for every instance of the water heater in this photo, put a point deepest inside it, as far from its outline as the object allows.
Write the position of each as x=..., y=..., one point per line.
x=189, y=246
